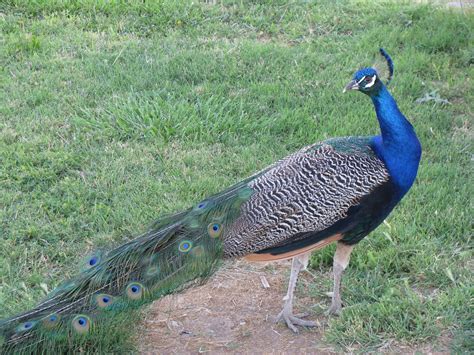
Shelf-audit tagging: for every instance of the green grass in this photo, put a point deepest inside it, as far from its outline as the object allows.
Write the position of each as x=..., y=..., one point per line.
x=115, y=112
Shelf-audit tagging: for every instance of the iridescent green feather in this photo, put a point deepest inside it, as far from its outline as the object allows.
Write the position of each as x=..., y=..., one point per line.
x=176, y=250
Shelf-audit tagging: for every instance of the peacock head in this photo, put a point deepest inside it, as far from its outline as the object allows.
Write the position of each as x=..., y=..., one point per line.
x=365, y=80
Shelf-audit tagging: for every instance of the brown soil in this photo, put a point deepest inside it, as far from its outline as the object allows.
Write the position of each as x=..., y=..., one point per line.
x=233, y=312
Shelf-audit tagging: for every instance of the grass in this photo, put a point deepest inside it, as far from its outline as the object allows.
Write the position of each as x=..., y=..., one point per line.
x=114, y=112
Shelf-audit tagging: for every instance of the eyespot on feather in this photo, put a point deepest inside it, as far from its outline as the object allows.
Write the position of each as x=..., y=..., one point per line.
x=81, y=324
x=185, y=246
x=51, y=321
x=134, y=291
x=23, y=327
x=103, y=300
x=94, y=260
x=214, y=230
x=202, y=206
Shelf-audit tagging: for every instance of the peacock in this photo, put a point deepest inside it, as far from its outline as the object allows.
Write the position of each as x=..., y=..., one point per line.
x=334, y=191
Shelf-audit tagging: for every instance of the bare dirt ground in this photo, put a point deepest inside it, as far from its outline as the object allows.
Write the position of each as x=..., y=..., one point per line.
x=232, y=313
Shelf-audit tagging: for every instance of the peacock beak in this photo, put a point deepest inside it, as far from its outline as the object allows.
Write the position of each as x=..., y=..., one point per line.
x=353, y=85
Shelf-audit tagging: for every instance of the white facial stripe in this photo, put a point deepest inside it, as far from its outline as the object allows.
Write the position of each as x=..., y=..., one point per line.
x=361, y=80
x=372, y=82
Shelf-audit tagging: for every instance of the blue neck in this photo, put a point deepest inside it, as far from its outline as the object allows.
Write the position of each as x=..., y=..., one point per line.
x=398, y=146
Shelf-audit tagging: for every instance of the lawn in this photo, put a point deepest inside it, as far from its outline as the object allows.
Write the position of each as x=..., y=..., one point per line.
x=115, y=112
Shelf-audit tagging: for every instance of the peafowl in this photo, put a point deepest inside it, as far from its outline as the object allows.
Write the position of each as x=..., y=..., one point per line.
x=337, y=190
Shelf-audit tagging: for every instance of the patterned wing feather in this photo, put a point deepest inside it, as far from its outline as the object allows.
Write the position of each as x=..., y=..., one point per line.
x=307, y=192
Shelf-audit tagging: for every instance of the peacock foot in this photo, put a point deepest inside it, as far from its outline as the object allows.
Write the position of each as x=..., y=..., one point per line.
x=292, y=320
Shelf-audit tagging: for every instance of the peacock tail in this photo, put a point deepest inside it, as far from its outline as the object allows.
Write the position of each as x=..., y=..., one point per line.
x=177, y=249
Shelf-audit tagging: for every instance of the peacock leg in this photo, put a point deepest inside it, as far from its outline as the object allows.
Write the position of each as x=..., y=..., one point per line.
x=341, y=260
x=286, y=315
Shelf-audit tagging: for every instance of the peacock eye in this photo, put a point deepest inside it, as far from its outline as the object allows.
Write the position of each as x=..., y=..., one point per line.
x=368, y=79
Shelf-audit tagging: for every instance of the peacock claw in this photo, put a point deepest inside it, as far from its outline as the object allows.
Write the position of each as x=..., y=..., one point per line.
x=293, y=320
